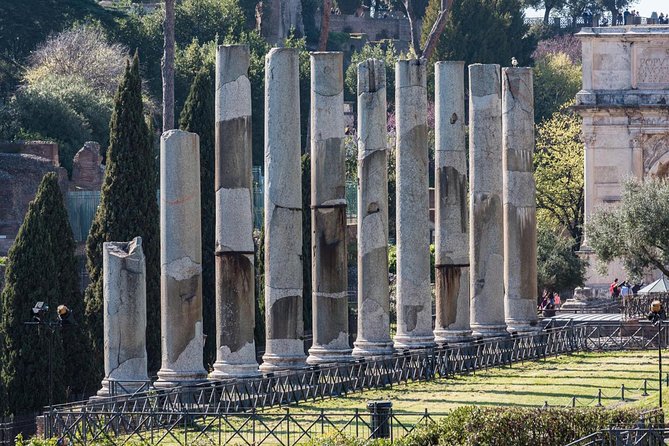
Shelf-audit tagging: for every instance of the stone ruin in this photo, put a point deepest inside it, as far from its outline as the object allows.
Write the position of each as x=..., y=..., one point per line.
x=485, y=231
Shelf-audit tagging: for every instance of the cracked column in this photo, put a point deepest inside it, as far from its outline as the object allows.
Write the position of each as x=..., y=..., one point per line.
x=124, y=291
x=235, y=272
x=328, y=211
x=284, y=347
x=414, y=294
x=486, y=245
x=520, y=220
x=373, y=298
x=182, y=339
x=451, y=219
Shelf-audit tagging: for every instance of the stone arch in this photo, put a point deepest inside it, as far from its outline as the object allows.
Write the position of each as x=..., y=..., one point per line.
x=656, y=155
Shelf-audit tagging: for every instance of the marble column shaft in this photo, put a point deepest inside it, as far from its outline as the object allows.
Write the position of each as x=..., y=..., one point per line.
x=520, y=221
x=328, y=211
x=284, y=347
x=373, y=295
x=485, y=203
x=451, y=214
x=235, y=271
x=180, y=260
x=124, y=291
x=414, y=294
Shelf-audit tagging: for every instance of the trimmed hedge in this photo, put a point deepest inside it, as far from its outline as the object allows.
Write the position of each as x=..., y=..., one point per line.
x=506, y=426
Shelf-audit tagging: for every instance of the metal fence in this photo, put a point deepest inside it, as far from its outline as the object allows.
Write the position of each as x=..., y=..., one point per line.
x=639, y=305
x=649, y=431
x=217, y=410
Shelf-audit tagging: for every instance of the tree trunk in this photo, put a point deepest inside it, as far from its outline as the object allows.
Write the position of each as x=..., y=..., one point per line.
x=325, y=26
x=168, y=66
x=415, y=37
x=547, y=14
x=437, y=29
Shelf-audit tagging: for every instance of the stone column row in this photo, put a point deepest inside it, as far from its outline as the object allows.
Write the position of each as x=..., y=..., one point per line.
x=498, y=247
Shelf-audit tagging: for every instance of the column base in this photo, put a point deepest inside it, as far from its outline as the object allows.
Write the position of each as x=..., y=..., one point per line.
x=126, y=388
x=522, y=327
x=323, y=355
x=446, y=336
x=278, y=363
x=371, y=349
x=489, y=330
x=170, y=378
x=224, y=370
x=413, y=341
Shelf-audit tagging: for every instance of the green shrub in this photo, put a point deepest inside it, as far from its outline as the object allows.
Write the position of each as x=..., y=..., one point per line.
x=511, y=426
x=63, y=109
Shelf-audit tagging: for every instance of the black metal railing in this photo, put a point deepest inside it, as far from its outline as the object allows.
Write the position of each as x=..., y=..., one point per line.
x=211, y=406
x=638, y=306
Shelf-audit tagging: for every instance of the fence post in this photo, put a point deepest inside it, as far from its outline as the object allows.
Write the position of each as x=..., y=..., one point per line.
x=645, y=388
x=599, y=398
x=622, y=392
x=288, y=426
x=573, y=401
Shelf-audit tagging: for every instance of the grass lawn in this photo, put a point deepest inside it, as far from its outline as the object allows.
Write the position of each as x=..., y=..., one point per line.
x=555, y=381
x=531, y=384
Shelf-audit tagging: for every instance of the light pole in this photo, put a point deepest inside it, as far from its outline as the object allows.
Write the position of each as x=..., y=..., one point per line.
x=657, y=315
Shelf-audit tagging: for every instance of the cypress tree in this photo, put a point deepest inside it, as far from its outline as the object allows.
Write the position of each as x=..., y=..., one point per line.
x=41, y=266
x=198, y=117
x=128, y=208
x=306, y=241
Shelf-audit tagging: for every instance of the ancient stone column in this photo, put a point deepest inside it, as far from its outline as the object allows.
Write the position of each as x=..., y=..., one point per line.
x=328, y=211
x=284, y=325
x=235, y=272
x=520, y=221
x=373, y=298
x=414, y=295
x=451, y=219
x=182, y=339
x=486, y=243
x=124, y=291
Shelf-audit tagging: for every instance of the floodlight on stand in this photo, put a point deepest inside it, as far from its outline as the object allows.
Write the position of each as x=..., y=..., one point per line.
x=39, y=311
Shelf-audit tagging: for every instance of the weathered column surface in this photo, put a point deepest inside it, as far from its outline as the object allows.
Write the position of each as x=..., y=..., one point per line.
x=182, y=339
x=520, y=220
x=414, y=294
x=235, y=272
x=373, y=300
x=451, y=214
x=284, y=347
x=486, y=243
x=328, y=211
x=124, y=291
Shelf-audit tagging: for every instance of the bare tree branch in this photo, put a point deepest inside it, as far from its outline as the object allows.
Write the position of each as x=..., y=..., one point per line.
x=325, y=26
x=415, y=37
x=168, y=66
x=437, y=29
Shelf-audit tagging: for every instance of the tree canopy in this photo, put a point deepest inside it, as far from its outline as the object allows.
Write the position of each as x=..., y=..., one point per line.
x=128, y=208
x=41, y=267
x=558, y=172
x=635, y=230
x=481, y=31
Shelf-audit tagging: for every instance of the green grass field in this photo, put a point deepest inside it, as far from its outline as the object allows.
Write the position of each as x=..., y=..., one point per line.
x=554, y=381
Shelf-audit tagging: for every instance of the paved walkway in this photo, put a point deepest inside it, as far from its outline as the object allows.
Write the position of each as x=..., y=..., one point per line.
x=592, y=318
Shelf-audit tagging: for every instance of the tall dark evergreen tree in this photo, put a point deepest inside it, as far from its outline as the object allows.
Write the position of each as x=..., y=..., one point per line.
x=41, y=266
x=481, y=31
x=128, y=208
x=198, y=117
